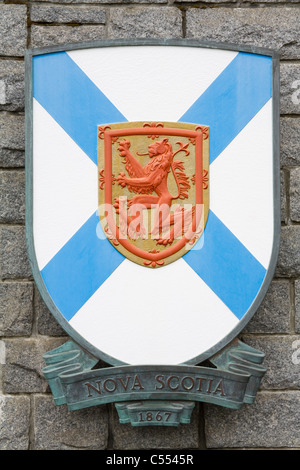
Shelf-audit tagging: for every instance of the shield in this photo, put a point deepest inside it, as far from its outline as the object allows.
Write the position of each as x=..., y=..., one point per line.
x=122, y=278
x=167, y=213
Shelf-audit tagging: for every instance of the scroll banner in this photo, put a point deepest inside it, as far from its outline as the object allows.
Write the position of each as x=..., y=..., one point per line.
x=76, y=381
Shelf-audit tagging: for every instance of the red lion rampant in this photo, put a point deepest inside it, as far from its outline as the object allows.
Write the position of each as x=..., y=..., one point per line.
x=151, y=188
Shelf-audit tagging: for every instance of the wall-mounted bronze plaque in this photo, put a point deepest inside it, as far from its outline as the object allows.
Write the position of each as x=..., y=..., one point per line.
x=153, y=219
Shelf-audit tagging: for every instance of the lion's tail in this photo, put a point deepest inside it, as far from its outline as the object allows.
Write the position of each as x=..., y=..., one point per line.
x=181, y=179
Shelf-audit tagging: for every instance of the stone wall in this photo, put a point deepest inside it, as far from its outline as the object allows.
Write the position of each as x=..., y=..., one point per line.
x=28, y=417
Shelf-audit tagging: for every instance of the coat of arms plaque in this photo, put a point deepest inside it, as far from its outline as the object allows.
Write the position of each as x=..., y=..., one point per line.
x=152, y=219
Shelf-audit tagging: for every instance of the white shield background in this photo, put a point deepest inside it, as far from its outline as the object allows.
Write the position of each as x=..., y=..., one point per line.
x=116, y=309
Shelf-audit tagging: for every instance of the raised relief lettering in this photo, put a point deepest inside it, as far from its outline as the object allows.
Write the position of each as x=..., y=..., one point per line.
x=199, y=389
x=137, y=384
x=124, y=385
x=171, y=379
x=159, y=379
x=188, y=383
x=220, y=389
x=110, y=388
x=172, y=383
x=90, y=386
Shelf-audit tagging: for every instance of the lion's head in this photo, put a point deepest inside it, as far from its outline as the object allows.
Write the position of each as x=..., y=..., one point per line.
x=159, y=148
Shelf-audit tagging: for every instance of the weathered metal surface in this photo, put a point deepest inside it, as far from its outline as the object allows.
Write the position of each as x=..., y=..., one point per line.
x=155, y=413
x=74, y=382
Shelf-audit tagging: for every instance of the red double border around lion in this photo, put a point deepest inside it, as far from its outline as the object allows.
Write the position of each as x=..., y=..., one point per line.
x=171, y=231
